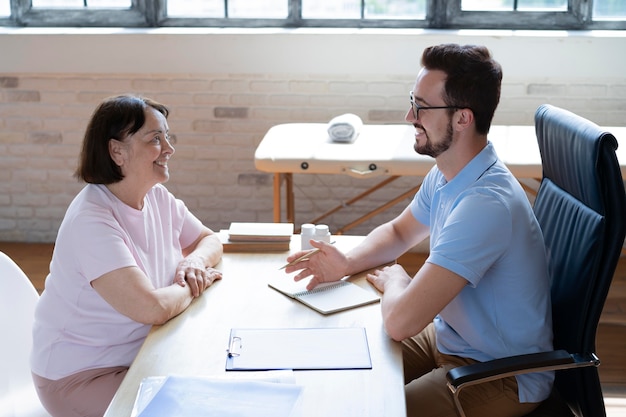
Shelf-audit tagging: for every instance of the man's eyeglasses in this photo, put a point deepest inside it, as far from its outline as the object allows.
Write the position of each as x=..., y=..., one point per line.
x=416, y=107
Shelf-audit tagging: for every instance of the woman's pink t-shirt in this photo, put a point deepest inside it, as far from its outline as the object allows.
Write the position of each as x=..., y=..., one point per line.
x=75, y=329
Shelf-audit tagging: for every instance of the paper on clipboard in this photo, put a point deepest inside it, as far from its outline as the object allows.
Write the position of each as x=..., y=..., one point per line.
x=298, y=349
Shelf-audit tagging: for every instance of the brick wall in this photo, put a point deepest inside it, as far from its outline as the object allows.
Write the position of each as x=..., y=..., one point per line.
x=218, y=120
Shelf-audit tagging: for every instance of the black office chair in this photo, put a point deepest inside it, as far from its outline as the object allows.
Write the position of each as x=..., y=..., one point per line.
x=581, y=207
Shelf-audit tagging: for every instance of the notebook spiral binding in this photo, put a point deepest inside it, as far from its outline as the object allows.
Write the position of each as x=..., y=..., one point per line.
x=321, y=289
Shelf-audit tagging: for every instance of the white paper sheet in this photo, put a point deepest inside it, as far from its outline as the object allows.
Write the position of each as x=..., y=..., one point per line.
x=182, y=396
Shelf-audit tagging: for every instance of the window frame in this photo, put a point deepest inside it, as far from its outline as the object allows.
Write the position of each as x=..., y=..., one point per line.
x=440, y=14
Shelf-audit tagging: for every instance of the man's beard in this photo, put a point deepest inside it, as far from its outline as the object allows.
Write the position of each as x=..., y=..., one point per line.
x=434, y=150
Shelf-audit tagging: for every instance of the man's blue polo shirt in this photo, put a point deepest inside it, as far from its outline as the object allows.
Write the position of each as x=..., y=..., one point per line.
x=482, y=228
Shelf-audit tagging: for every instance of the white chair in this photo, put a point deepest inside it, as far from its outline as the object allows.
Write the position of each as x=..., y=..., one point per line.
x=18, y=298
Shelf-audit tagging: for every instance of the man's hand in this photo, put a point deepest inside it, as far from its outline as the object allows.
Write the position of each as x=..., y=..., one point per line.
x=328, y=264
x=381, y=277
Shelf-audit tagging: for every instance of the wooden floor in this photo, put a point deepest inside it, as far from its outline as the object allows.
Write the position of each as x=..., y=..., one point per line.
x=34, y=259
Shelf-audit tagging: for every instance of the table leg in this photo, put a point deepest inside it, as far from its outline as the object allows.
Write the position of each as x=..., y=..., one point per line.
x=290, y=206
x=277, y=207
x=291, y=211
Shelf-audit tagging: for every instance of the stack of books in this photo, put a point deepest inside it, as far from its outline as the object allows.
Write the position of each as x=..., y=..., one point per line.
x=257, y=237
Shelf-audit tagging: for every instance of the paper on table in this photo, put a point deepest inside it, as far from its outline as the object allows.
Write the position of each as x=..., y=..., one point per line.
x=180, y=396
x=298, y=348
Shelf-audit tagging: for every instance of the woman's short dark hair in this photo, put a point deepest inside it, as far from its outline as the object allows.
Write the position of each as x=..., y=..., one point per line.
x=473, y=80
x=115, y=118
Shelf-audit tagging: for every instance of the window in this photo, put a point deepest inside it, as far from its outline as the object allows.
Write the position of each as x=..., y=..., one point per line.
x=5, y=9
x=453, y=14
x=609, y=10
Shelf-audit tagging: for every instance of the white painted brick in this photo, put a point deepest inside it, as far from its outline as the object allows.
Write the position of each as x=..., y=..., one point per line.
x=174, y=98
x=77, y=83
x=16, y=96
x=210, y=126
x=9, y=81
x=12, y=137
x=617, y=90
x=41, y=83
x=73, y=138
x=51, y=213
x=80, y=111
x=311, y=87
x=213, y=169
x=395, y=101
x=347, y=87
x=47, y=137
x=295, y=100
x=249, y=99
x=387, y=88
x=7, y=224
x=40, y=110
x=269, y=86
x=211, y=99
x=29, y=202
x=58, y=97
x=230, y=86
x=587, y=90
x=34, y=224
x=64, y=123
x=370, y=102
x=546, y=89
x=114, y=85
x=193, y=85
x=25, y=150
x=511, y=90
x=147, y=85
x=275, y=114
x=328, y=100
x=386, y=116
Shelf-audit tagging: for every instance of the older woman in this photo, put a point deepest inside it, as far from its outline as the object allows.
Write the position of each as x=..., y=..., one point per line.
x=128, y=255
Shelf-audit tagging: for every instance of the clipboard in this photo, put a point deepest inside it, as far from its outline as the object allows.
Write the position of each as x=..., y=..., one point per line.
x=298, y=349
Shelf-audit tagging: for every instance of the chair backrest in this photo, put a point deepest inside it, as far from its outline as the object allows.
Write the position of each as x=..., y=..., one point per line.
x=581, y=207
x=18, y=298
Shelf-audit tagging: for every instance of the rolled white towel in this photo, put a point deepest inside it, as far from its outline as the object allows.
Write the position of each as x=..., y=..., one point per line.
x=345, y=128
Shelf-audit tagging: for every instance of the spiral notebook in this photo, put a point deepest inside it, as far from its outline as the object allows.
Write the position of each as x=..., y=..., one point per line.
x=326, y=298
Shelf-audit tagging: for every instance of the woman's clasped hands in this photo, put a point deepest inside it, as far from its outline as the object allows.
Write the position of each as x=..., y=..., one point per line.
x=192, y=271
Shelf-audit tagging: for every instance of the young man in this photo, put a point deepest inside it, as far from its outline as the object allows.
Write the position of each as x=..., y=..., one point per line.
x=483, y=292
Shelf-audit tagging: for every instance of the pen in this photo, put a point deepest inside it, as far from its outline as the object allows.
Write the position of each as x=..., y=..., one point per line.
x=303, y=257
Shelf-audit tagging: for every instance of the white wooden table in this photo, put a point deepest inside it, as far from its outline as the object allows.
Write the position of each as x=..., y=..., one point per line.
x=195, y=342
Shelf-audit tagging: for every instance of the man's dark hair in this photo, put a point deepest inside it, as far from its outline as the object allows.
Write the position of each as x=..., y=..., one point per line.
x=473, y=80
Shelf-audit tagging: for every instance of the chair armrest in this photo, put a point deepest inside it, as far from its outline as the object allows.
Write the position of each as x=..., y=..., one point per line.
x=515, y=365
